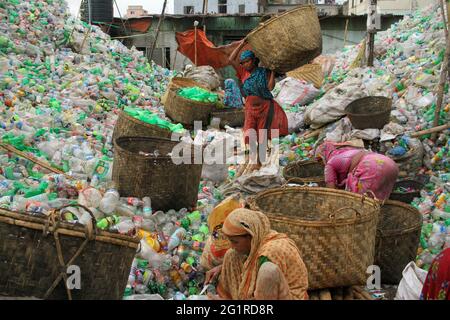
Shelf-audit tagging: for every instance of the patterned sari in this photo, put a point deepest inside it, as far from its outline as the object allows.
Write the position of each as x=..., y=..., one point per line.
x=242, y=276
x=437, y=283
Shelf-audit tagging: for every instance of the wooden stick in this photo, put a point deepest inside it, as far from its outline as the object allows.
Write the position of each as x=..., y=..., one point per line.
x=33, y=159
x=348, y=293
x=431, y=130
x=346, y=31
x=313, y=295
x=444, y=18
x=325, y=294
x=338, y=294
x=442, y=81
x=161, y=18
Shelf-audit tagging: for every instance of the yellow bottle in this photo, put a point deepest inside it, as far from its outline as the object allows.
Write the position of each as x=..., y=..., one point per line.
x=150, y=239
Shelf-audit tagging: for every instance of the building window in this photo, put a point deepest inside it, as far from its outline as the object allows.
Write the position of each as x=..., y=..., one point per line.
x=131, y=12
x=242, y=8
x=188, y=9
x=222, y=6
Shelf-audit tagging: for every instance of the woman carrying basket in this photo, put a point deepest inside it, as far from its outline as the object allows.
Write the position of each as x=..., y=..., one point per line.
x=357, y=170
x=262, y=264
x=262, y=112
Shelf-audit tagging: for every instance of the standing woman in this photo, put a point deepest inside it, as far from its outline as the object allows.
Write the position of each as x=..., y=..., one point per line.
x=261, y=110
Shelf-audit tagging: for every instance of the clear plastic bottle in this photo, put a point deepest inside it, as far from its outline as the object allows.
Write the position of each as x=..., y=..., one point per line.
x=110, y=201
x=147, y=207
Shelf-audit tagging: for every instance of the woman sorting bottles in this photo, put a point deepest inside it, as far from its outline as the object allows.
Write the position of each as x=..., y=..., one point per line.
x=357, y=170
x=262, y=112
x=261, y=264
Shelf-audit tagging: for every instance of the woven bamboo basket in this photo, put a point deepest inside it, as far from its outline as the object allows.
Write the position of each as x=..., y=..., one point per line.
x=334, y=230
x=230, y=117
x=310, y=73
x=407, y=197
x=180, y=82
x=36, y=252
x=398, y=235
x=126, y=125
x=369, y=112
x=305, y=172
x=186, y=111
x=285, y=42
x=137, y=172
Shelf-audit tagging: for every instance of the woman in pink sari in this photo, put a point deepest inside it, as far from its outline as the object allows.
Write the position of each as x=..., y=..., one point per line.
x=357, y=170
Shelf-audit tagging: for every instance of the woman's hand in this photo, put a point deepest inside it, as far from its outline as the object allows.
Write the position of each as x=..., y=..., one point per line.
x=212, y=274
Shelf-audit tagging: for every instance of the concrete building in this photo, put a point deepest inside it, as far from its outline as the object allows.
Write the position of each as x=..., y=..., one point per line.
x=135, y=12
x=395, y=7
x=223, y=29
x=218, y=6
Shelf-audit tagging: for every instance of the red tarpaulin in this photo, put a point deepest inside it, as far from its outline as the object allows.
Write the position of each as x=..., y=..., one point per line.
x=207, y=52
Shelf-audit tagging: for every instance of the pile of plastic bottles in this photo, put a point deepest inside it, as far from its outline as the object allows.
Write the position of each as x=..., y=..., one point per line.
x=294, y=148
x=434, y=205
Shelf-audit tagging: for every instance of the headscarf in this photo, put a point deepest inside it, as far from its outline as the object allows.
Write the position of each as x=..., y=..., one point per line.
x=326, y=149
x=247, y=54
x=244, y=221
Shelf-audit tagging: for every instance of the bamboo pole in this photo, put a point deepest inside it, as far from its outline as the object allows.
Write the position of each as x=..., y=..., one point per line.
x=346, y=32
x=431, y=130
x=161, y=18
x=443, y=79
x=371, y=32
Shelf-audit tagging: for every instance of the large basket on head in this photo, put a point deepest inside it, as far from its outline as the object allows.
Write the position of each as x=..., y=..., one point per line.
x=230, y=117
x=127, y=125
x=398, y=238
x=311, y=72
x=186, y=111
x=159, y=168
x=288, y=41
x=369, y=112
x=334, y=230
x=39, y=253
x=305, y=172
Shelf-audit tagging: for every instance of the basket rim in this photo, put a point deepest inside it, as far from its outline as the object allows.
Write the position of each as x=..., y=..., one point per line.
x=137, y=121
x=21, y=219
x=368, y=114
x=273, y=19
x=240, y=110
x=147, y=157
x=296, y=163
x=413, y=227
x=200, y=103
x=320, y=223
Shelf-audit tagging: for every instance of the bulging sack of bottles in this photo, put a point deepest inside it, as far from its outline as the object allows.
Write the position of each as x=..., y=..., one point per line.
x=198, y=94
x=205, y=75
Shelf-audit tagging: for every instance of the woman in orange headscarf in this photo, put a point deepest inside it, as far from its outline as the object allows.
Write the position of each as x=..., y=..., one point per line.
x=262, y=264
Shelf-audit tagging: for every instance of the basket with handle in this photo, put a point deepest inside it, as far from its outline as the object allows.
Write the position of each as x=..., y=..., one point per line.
x=289, y=40
x=180, y=82
x=406, y=197
x=37, y=251
x=397, y=241
x=334, y=230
